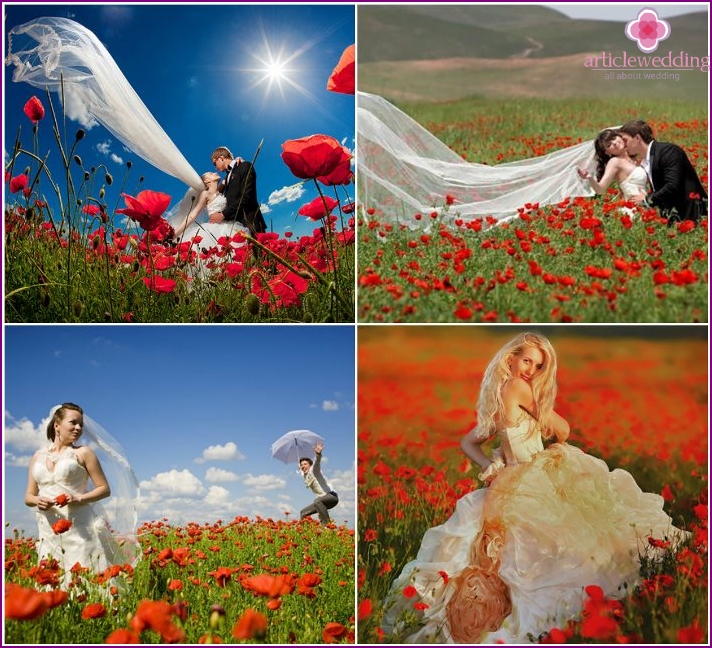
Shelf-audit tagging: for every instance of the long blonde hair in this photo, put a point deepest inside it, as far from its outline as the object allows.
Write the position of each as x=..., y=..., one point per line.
x=490, y=406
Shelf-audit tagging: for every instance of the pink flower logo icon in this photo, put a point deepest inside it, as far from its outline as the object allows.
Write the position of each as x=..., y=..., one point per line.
x=647, y=30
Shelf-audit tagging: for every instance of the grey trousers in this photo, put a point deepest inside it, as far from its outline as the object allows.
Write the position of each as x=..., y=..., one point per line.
x=321, y=505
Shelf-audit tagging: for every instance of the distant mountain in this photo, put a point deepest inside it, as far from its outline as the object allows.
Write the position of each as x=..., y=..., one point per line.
x=428, y=32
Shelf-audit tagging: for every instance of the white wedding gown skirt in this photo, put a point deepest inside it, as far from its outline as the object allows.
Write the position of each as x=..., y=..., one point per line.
x=512, y=561
x=404, y=170
x=214, y=234
x=89, y=541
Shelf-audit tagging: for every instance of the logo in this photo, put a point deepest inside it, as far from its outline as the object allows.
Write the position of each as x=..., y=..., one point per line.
x=648, y=30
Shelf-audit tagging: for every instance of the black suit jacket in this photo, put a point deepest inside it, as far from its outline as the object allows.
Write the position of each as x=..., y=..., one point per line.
x=241, y=195
x=675, y=181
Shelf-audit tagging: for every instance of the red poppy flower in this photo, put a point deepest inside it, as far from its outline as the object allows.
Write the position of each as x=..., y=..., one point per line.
x=146, y=208
x=252, y=624
x=61, y=526
x=160, y=284
x=409, y=591
x=318, y=208
x=94, y=611
x=123, y=636
x=313, y=156
x=34, y=109
x=342, y=173
x=24, y=603
x=91, y=210
x=18, y=183
x=364, y=609
x=333, y=632
x=343, y=78
x=61, y=500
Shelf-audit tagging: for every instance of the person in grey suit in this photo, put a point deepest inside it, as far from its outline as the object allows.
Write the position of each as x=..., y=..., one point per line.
x=240, y=190
x=326, y=497
x=675, y=188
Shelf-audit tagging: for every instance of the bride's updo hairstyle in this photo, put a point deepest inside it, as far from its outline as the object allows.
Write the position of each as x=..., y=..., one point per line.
x=58, y=417
x=491, y=405
x=209, y=176
x=605, y=137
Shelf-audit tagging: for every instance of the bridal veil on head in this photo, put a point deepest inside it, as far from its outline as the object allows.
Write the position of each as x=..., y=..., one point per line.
x=64, y=56
x=404, y=170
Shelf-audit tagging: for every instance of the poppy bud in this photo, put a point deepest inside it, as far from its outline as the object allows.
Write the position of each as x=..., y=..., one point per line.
x=109, y=179
x=253, y=304
x=102, y=192
x=217, y=614
x=80, y=135
x=78, y=160
x=129, y=164
x=107, y=316
x=86, y=175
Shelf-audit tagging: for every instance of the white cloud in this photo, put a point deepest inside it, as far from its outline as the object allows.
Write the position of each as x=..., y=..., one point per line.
x=289, y=194
x=174, y=482
x=263, y=482
x=265, y=209
x=228, y=452
x=17, y=461
x=75, y=109
x=104, y=147
x=116, y=158
x=330, y=406
x=220, y=475
x=217, y=495
x=22, y=435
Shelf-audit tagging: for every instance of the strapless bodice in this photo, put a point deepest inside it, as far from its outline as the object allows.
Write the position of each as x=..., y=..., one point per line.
x=635, y=183
x=217, y=204
x=520, y=442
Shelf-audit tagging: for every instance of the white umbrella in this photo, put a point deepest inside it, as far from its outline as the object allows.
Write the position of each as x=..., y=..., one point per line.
x=294, y=445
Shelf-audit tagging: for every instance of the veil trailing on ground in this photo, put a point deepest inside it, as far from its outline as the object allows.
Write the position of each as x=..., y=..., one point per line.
x=66, y=57
x=121, y=508
x=403, y=170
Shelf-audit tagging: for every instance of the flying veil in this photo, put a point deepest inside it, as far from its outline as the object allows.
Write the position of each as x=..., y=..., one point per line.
x=66, y=57
x=403, y=169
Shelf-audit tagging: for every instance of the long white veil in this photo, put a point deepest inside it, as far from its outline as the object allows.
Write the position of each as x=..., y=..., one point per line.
x=403, y=169
x=121, y=508
x=66, y=57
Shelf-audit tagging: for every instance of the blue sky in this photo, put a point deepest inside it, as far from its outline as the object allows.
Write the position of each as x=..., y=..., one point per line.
x=200, y=70
x=619, y=11
x=177, y=398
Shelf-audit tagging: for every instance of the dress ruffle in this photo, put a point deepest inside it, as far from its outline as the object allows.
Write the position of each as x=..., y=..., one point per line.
x=513, y=559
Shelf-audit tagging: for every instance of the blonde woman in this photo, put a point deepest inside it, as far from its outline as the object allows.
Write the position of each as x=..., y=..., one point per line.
x=513, y=560
x=212, y=201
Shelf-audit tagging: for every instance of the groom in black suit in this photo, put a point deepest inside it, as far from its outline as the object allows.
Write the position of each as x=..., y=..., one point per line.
x=240, y=190
x=675, y=189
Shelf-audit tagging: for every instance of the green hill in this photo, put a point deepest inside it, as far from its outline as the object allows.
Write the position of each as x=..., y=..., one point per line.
x=400, y=33
x=447, y=52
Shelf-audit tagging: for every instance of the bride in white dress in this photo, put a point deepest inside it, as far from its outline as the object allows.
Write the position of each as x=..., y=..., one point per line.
x=213, y=202
x=614, y=164
x=513, y=560
x=65, y=483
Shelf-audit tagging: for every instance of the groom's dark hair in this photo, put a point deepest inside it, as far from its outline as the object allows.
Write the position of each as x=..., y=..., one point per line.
x=638, y=127
x=307, y=459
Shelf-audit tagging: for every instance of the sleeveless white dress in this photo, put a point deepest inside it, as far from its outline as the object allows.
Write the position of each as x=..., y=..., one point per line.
x=635, y=183
x=513, y=559
x=212, y=233
x=89, y=541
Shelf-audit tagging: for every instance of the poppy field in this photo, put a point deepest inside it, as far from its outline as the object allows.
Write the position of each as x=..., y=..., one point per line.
x=635, y=398
x=71, y=256
x=582, y=260
x=247, y=581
